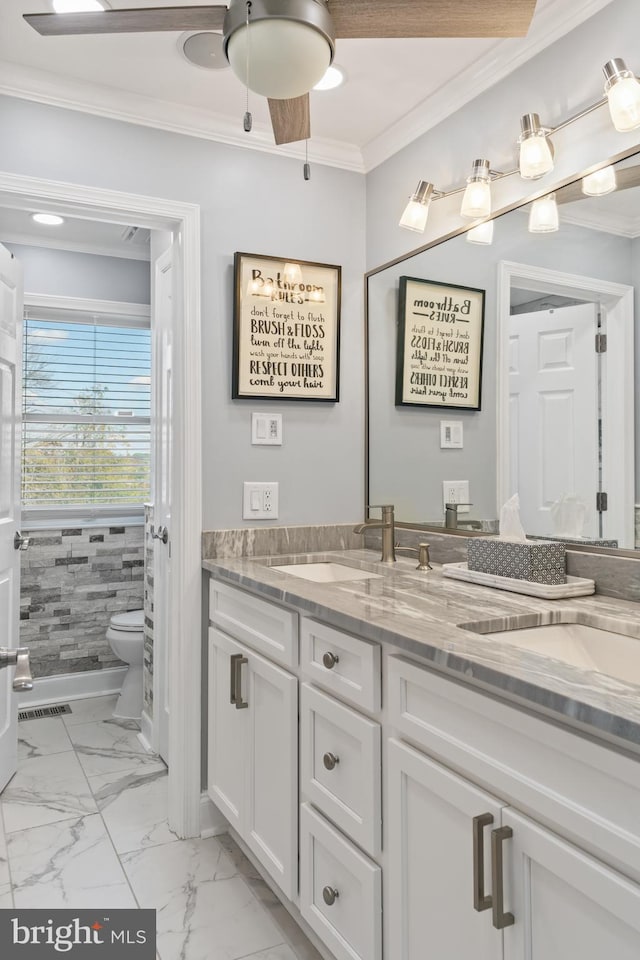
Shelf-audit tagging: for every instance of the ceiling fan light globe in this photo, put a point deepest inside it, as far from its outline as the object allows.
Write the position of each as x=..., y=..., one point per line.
x=284, y=60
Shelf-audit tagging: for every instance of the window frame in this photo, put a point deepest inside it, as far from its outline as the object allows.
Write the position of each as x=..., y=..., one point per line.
x=105, y=313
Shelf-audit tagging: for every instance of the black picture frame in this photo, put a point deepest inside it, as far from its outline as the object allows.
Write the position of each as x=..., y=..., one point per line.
x=439, y=345
x=286, y=330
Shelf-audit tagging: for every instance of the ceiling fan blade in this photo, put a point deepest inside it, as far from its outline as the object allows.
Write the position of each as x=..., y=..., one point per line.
x=363, y=19
x=290, y=119
x=145, y=20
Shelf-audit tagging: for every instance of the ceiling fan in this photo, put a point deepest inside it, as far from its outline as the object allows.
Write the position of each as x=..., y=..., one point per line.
x=292, y=42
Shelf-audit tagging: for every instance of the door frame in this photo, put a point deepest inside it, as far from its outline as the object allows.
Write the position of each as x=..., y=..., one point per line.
x=185, y=661
x=617, y=383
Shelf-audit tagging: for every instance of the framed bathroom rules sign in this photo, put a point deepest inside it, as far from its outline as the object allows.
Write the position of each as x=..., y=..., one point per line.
x=439, y=346
x=286, y=333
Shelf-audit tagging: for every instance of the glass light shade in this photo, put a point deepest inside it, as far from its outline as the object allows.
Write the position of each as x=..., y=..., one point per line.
x=483, y=233
x=292, y=273
x=76, y=6
x=624, y=104
x=415, y=215
x=599, y=183
x=48, y=219
x=285, y=59
x=543, y=217
x=476, y=202
x=536, y=158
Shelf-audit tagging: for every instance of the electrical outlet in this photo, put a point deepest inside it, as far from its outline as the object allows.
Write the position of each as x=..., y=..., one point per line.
x=456, y=491
x=260, y=501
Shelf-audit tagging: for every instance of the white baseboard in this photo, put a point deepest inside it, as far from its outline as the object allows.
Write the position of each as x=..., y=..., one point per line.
x=146, y=732
x=212, y=823
x=73, y=686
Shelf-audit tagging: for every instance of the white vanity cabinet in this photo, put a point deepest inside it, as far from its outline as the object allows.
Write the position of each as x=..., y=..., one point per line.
x=253, y=749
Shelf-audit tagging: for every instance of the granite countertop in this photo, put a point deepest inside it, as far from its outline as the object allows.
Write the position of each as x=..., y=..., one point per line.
x=425, y=615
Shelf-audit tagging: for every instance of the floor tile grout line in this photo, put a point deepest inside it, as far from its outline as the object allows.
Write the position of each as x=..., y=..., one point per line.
x=256, y=953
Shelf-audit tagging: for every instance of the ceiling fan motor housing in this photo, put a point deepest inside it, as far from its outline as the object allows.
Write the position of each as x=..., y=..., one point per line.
x=288, y=49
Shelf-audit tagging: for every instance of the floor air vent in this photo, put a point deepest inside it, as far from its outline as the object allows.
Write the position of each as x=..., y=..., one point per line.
x=38, y=712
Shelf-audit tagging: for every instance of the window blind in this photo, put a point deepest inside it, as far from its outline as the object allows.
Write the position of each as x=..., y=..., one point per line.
x=86, y=412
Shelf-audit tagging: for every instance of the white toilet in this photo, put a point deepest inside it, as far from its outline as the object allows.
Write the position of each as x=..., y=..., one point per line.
x=126, y=636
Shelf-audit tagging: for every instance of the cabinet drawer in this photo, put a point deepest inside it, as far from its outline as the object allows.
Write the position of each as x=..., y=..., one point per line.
x=266, y=627
x=331, y=869
x=579, y=788
x=352, y=667
x=340, y=760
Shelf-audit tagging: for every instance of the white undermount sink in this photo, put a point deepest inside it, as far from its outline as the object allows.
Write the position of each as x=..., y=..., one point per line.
x=326, y=572
x=590, y=648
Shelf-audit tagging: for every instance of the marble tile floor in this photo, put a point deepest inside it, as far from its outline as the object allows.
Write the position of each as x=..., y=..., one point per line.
x=83, y=823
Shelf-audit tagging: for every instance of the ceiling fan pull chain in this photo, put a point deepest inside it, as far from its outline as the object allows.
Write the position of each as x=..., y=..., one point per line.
x=307, y=168
x=248, y=119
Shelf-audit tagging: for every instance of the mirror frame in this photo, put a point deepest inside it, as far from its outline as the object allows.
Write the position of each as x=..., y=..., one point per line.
x=462, y=229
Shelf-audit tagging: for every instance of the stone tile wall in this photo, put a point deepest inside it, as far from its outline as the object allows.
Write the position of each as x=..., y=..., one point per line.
x=72, y=581
x=147, y=671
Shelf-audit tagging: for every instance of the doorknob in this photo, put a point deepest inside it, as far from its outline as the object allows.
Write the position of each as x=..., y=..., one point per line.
x=161, y=533
x=20, y=657
x=20, y=542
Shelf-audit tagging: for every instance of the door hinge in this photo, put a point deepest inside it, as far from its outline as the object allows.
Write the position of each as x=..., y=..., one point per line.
x=601, y=502
x=601, y=343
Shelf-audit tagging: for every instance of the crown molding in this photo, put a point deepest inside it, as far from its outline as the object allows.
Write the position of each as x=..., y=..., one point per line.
x=606, y=222
x=552, y=23
x=76, y=246
x=41, y=86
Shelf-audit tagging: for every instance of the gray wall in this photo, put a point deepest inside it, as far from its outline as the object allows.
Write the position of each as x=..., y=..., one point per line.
x=560, y=81
x=67, y=273
x=253, y=202
x=407, y=464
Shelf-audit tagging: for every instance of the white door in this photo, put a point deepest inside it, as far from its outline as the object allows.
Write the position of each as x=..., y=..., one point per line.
x=10, y=407
x=161, y=332
x=439, y=864
x=565, y=904
x=553, y=413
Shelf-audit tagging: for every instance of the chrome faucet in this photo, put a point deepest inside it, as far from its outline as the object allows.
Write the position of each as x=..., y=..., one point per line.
x=451, y=514
x=387, y=526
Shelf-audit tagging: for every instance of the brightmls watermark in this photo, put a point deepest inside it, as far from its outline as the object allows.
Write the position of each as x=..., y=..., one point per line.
x=79, y=934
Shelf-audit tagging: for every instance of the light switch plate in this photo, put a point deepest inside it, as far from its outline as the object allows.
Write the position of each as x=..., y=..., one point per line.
x=266, y=428
x=451, y=435
x=259, y=500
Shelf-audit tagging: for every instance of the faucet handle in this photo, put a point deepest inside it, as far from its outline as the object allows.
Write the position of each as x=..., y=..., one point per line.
x=452, y=506
x=385, y=507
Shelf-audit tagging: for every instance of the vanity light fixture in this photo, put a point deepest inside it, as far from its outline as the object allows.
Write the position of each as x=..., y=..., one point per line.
x=416, y=211
x=292, y=273
x=622, y=90
x=536, y=151
x=543, y=217
x=601, y=182
x=47, y=219
x=483, y=233
x=476, y=201
x=77, y=6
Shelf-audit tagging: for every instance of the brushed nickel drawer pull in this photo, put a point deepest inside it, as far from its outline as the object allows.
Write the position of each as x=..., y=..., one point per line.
x=330, y=895
x=500, y=918
x=330, y=760
x=330, y=659
x=236, y=660
x=481, y=900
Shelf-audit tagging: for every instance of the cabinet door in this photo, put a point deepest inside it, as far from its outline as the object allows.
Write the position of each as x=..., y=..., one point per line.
x=271, y=828
x=565, y=903
x=430, y=839
x=227, y=729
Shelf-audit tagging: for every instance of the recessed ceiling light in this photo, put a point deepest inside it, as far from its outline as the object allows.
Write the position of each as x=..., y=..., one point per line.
x=77, y=6
x=334, y=77
x=49, y=219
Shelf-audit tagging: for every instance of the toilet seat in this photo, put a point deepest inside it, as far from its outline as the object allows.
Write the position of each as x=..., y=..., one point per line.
x=130, y=622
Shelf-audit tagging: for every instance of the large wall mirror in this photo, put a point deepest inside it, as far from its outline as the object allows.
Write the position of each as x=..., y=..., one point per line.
x=558, y=422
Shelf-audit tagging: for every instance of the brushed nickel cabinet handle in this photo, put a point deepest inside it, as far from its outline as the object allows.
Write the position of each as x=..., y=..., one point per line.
x=330, y=760
x=236, y=660
x=330, y=660
x=481, y=900
x=330, y=895
x=500, y=918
